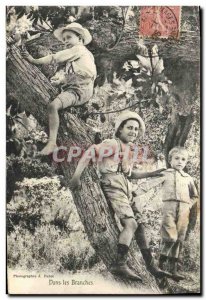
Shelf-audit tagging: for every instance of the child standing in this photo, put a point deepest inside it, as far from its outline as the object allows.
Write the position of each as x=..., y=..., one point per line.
x=76, y=79
x=179, y=196
x=115, y=172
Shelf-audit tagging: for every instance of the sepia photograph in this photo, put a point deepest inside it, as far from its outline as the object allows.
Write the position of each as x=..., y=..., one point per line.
x=103, y=142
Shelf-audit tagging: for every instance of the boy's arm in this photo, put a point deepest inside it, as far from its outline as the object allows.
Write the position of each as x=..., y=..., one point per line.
x=94, y=152
x=59, y=57
x=69, y=54
x=37, y=61
x=194, y=208
x=193, y=191
x=140, y=175
x=82, y=164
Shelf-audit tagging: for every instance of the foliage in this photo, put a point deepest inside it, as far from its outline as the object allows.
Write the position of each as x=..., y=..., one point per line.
x=44, y=228
x=19, y=168
x=59, y=15
x=40, y=201
x=13, y=118
x=148, y=79
x=20, y=138
x=49, y=249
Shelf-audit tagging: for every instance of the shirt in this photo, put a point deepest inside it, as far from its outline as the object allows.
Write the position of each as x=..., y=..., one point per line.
x=178, y=185
x=113, y=156
x=79, y=59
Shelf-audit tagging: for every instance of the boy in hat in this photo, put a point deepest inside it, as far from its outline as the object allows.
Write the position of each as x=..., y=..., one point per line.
x=115, y=172
x=179, y=197
x=76, y=79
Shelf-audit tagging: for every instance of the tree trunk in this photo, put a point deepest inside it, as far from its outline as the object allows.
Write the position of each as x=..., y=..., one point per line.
x=34, y=92
x=178, y=131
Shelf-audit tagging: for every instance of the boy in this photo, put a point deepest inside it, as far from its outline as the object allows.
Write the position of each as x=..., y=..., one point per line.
x=76, y=79
x=179, y=196
x=115, y=172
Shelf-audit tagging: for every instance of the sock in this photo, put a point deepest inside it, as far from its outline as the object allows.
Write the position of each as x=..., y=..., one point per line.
x=162, y=260
x=140, y=237
x=122, y=249
x=147, y=255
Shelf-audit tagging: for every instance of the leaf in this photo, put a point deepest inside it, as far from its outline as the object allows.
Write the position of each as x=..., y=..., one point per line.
x=161, y=109
x=102, y=118
x=21, y=14
x=159, y=67
x=27, y=113
x=126, y=66
x=35, y=21
x=141, y=80
x=134, y=64
x=154, y=50
x=142, y=48
x=128, y=83
x=144, y=62
x=95, y=105
x=41, y=20
x=29, y=15
x=164, y=87
x=153, y=88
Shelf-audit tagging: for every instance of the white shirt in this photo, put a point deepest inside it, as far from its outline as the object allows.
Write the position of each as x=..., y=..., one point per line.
x=80, y=58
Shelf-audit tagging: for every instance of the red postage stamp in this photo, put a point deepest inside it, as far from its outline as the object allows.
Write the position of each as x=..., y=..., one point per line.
x=160, y=21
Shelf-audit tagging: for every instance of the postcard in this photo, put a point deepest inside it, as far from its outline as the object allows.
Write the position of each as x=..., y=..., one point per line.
x=103, y=143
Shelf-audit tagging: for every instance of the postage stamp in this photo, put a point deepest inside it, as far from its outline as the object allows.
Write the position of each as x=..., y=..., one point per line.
x=160, y=21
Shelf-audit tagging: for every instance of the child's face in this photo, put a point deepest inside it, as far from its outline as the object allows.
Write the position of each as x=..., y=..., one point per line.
x=70, y=39
x=179, y=160
x=129, y=132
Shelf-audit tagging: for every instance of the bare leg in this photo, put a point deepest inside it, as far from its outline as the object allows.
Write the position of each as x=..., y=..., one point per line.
x=128, y=231
x=53, y=109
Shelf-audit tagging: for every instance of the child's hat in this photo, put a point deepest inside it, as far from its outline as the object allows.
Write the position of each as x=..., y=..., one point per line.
x=76, y=27
x=126, y=115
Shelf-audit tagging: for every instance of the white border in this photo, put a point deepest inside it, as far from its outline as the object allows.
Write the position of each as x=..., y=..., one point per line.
x=2, y=107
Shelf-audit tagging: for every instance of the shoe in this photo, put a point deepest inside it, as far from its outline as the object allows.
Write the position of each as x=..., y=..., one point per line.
x=151, y=266
x=121, y=268
x=125, y=271
x=173, y=269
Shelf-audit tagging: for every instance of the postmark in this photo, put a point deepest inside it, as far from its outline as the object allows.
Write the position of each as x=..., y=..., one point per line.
x=160, y=21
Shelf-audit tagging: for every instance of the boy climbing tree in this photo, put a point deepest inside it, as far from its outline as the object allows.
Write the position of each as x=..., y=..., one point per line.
x=76, y=79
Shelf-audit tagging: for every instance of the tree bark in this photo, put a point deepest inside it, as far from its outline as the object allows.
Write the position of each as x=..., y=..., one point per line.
x=178, y=131
x=34, y=92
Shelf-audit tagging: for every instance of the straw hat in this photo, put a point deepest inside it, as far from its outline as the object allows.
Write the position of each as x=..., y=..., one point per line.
x=126, y=115
x=76, y=27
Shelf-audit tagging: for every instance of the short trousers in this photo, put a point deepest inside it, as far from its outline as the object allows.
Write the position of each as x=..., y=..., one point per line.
x=72, y=98
x=77, y=91
x=118, y=191
x=175, y=220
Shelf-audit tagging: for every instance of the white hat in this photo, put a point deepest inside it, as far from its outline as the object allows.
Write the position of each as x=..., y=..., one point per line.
x=126, y=115
x=76, y=27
